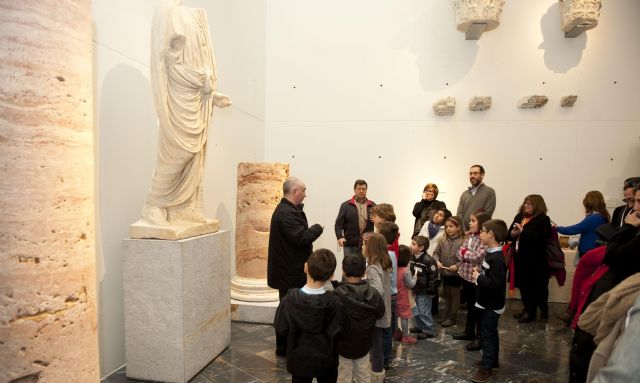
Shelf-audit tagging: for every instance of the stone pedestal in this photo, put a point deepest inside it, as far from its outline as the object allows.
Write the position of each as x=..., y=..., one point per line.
x=254, y=312
x=176, y=305
x=259, y=192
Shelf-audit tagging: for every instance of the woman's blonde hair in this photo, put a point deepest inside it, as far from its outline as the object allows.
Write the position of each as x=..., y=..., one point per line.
x=375, y=251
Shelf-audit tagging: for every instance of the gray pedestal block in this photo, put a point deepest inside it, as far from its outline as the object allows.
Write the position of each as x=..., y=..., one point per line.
x=176, y=305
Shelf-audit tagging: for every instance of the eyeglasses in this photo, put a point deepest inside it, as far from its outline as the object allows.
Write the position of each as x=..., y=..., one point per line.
x=430, y=191
x=628, y=200
x=473, y=173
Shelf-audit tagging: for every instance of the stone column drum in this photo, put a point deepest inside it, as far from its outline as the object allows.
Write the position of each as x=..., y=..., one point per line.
x=259, y=192
x=48, y=328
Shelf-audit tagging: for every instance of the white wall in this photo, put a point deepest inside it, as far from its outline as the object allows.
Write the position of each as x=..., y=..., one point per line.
x=127, y=131
x=366, y=73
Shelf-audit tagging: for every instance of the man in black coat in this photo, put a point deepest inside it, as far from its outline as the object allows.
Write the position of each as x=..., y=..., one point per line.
x=621, y=212
x=290, y=245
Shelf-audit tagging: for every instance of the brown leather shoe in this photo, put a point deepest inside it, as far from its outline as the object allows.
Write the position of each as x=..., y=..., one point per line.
x=481, y=376
x=478, y=364
x=474, y=345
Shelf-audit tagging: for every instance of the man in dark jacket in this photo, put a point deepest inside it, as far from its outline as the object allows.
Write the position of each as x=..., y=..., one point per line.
x=290, y=244
x=363, y=306
x=354, y=219
x=621, y=212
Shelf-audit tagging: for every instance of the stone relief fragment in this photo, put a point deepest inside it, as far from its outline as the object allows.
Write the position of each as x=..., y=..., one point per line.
x=445, y=107
x=477, y=103
x=532, y=102
x=568, y=101
x=578, y=16
x=473, y=17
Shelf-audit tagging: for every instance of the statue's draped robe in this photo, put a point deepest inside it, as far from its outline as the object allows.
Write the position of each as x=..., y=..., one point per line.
x=182, y=66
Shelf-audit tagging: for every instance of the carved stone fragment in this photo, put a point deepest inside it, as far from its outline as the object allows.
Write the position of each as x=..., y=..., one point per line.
x=479, y=103
x=259, y=192
x=477, y=16
x=568, y=101
x=579, y=15
x=532, y=102
x=445, y=107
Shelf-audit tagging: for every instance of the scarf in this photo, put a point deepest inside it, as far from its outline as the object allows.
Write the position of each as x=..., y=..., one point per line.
x=433, y=229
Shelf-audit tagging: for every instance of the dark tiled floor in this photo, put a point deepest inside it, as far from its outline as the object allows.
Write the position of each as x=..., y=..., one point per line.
x=533, y=352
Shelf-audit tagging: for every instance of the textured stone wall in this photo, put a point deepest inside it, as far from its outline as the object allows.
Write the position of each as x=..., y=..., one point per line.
x=259, y=192
x=48, y=329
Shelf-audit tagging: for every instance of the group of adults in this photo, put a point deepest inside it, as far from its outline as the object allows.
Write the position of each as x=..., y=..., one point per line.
x=291, y=239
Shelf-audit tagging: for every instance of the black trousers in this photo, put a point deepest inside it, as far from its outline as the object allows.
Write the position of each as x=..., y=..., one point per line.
x=281, y=341
x=535, y=294
x=469, y=291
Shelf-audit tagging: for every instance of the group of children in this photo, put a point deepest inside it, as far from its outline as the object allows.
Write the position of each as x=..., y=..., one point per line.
x=341, y=331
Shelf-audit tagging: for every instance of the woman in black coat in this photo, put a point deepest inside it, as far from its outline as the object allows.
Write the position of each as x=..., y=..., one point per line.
x=424, y=209
x=530, y=232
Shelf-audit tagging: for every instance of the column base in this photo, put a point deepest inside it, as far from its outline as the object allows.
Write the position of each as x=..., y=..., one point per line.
x=252, y=290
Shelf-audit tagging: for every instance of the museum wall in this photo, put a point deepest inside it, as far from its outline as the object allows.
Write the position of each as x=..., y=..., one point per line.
x=350, y=89
x=126, y=132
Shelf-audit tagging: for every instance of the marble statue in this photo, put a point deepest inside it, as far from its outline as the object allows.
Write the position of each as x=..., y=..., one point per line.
x=479, y=103
x=473, y=17
x=183, y=76
x=568, y=101
x=532, y=102
x=579, y=15
x=445, y=107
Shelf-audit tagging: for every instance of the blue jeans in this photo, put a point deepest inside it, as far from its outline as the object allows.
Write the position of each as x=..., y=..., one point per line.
x=387, y=333
x=489, y=338
x=422, y=313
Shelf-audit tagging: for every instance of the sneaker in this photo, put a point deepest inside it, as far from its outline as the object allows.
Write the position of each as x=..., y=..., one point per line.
x=409, y=340
x=425, y=335
x=481, y=376
x=448, y=323
x=397, y=335
x=478, y=364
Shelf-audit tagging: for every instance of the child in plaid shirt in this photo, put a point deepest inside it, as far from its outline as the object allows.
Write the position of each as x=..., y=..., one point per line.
x=471, y=255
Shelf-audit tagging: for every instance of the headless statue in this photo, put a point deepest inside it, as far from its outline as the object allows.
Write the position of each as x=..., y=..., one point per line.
x=183, y=76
